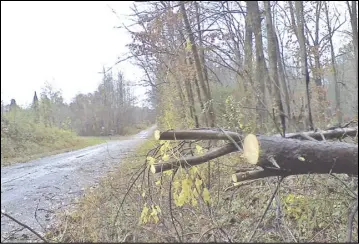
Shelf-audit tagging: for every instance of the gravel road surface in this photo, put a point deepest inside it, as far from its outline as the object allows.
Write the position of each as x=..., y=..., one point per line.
x=51, y=183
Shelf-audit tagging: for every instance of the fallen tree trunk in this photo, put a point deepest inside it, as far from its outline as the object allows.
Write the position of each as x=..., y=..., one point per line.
x=216, y=134
x=277, y=156
x=200, y=134
x=281, y=157
x=309, y=156
x=328, y=134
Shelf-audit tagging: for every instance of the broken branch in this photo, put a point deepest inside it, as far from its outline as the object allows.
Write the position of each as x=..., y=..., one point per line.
x=194, y=160
x=199, y=135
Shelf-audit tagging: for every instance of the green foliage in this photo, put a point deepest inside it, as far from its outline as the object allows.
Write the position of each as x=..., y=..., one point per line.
x=295, y=206
x=234, y=116
x=130, y=130
x=22, y=137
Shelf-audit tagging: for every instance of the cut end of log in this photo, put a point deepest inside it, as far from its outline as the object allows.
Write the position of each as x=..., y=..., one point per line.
x=251, y=149
x=153, y=169
x=157, y=134
x=234, y=178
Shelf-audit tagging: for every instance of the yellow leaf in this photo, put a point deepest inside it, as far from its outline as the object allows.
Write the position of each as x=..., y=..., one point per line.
x=158, y=208
x=301, y=159
x=168, y=172
x=188, y=45
x=143, y=194
x=193, y=173
x=180, y=200
x=199, y=149
x=157, y=134
x=158, y=182
x=176, y=185
x=156, y=219
x=240, y=126
x=195, y=193
x=165, y=157
x=198, y=184
x=154, y=211
x=144, y=214
x=206, y=196
x=186, y=183
x=150, y=160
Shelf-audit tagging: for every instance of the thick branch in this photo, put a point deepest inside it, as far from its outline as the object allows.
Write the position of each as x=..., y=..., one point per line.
x=256, y=174
x=328, y=134
x=213, y=134
x=195, y=160
x=199, y=135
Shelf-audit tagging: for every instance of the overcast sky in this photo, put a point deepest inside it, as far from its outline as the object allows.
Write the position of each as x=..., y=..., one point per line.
x=64, y=43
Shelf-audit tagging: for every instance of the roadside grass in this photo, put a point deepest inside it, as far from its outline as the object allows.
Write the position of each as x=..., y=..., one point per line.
x=92, y=218
x=23, y=140
x=13, y=151
x=130, y=130
x=312, y=208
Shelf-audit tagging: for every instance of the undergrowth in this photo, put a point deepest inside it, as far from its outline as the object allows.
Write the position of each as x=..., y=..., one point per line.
x=310, y=207
x=201, y=204
x=23, y=139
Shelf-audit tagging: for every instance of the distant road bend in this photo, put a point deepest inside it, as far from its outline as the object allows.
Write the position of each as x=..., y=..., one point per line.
x=53, y=182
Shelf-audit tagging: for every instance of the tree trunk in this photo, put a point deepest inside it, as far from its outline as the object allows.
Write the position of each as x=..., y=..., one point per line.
x=336, y=84
x=317, y=73
x=261, y=74
x=273, y=62
x=302, y=157
x=248, y=53
x=282, y=79
x=197, y=63
x=354, y=23
x=303, y=56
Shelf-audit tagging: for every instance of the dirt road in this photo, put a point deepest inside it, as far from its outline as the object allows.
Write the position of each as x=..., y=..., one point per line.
x=54, y=182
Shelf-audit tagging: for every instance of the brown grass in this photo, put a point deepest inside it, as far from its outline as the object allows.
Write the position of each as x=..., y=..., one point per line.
x=313, y=208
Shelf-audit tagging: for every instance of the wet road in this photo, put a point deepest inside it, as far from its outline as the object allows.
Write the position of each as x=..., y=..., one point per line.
x=53, y=182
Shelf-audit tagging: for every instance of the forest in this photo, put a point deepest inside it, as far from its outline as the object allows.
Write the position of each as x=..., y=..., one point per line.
x=49, y=123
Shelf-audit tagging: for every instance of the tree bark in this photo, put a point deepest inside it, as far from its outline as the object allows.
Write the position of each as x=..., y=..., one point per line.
x=354, y=23
x=293, y=156
x=261, y=69
x=303, y=157
x=282, y=79
x=304, y=60
x=197, y=63
x=273, y=62
x=248, y=54
x=335, y=75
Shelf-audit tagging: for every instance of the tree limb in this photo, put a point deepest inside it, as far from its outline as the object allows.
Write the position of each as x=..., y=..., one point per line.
x=194, y=160
x=25, y=226
x=202, y=134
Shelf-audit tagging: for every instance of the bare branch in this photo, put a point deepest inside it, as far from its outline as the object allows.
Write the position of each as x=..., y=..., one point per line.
x=25, y=226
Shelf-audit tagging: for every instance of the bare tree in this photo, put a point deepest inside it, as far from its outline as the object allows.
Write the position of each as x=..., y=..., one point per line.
x=354, y=23
x=303, y=52
x=197, y=62
x=273, y=63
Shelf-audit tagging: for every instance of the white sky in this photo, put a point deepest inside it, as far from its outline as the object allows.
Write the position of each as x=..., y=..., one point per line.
x=64, y=43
